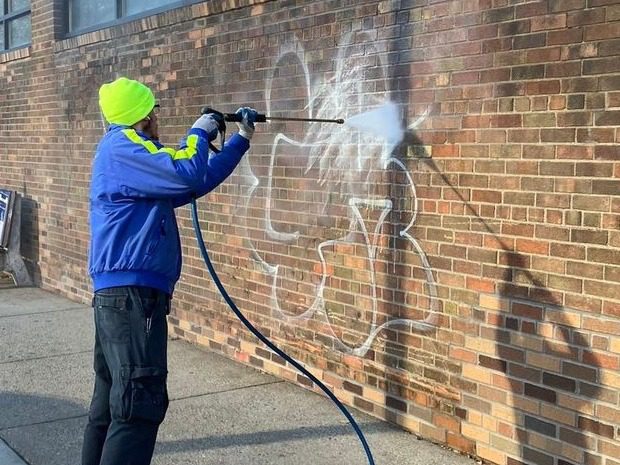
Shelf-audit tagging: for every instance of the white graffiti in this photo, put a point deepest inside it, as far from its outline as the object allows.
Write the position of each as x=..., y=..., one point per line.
x=340, y=164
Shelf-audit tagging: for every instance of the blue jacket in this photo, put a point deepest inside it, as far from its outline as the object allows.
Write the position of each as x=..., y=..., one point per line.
x=136, y=184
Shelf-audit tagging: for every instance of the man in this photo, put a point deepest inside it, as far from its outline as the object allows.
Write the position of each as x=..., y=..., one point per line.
x=135, y=261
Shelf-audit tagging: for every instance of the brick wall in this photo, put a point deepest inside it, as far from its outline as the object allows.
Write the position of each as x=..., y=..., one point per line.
x=460, y=278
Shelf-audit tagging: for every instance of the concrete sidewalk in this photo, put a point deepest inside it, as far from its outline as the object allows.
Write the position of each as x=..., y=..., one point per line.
x=220, y=412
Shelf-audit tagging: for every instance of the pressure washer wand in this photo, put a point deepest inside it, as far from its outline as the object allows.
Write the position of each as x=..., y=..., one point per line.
x=314, y=120
x=262, y=118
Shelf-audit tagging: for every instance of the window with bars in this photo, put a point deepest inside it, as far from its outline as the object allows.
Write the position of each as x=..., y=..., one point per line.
x=15, y=28
x=89, y=15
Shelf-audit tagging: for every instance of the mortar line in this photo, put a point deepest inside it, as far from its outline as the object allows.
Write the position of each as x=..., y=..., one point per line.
x=43, y=357
x=68, y=309
x=44, y=422
x=240, y=388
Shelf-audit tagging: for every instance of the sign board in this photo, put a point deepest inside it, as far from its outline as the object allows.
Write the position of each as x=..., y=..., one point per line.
x=7, y=198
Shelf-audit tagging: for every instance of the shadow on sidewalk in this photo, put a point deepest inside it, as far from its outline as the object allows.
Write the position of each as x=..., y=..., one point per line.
x=26, y=410
x=266, y=437
x=40, y=427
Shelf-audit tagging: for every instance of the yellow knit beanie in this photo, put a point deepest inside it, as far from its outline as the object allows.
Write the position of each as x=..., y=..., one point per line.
x=125, y=101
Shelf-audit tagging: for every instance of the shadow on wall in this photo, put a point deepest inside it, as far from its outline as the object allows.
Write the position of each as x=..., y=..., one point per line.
x=30, y=234
x=542, y=382
x=420, y=350
x=540, y=378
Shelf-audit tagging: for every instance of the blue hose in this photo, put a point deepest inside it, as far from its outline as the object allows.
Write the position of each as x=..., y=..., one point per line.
x=267, y=342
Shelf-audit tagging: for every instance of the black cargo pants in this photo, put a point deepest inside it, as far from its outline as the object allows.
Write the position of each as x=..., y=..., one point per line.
x=130, y=398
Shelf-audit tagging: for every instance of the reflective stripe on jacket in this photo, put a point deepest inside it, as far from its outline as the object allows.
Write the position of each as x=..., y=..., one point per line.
x=136, y=184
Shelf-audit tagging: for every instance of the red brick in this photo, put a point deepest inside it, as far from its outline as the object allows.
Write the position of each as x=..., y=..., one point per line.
x=543, y=87
x=576, y=52
x=446, y=150
x=589, y=135
x=614, y=99
x=567, y=251
x=607, y=152
x=466, y=77
x=532, y=9
x=505, y=121
x=575, y=118
x=602, y=31
x=613, y=13
x=498, y=15
x=576, y=101
x=608, y=118
x=535, y=247
x=541, y=23
x=461, y=443
x=597, y=359
x=495, y=75
x=600, y=66
x=529, y=41
x=608, y=83
x=582, y=84
x=567, y=36
x=557, y=102
x=596, y=427
x=572, y=68
x=611, y=309
x=485, y=31
x=448, y=423
x=585, y=16
x=566, y=5
x=557, y=135
x=539, y=119
x=524, y=135
x=578, y=152
x=514, y=28
x=544, y=55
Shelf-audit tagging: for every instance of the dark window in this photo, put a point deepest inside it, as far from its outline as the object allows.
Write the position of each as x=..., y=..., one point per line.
x=89, y=15
x=14, y=24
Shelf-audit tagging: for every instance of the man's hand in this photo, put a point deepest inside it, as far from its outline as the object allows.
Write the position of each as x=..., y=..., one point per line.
x=248, y=118
x=208, y=124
